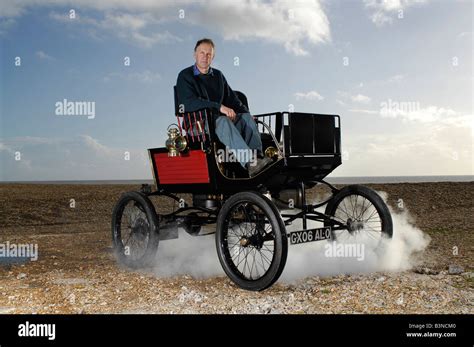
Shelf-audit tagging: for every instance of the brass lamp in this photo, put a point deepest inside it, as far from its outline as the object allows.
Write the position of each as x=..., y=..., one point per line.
x=271, y=152
x=176, y=143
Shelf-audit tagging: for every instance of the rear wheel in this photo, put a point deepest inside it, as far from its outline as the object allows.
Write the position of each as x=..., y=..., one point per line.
x=365, y=215
x=135, y=230
x=251, y=241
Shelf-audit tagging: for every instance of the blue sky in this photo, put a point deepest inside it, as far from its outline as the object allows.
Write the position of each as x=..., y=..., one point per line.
x=340, y=57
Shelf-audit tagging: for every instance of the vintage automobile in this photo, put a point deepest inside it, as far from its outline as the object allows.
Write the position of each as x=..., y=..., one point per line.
x=249, y=215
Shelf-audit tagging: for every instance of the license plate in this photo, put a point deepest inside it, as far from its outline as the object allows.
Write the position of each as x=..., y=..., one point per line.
x=310, y=235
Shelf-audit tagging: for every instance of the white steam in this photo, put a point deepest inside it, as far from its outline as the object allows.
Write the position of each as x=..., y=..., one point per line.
x=197, y=256
x=188, y=255
x=396, y=254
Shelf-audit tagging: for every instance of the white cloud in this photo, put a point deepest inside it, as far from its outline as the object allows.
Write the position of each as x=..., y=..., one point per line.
x=5, y=25
x=358, y=110
x=290, y=24
x=76, y=158
x=293, y=25
x=426, y=149
x=97, y=147
x=359, y=98
x=465, y=34
x=377, y=83
x=11, y=9
x=148, y=41
x=311, y=95
x=126, y=20
x=383, y=11
x=438, y=141
x=139, y=29
x=9, y=155
x=380, y=18
x=131, y=26
x=43, y=56
x=146, y=76
x=412, y=112
x=396, y=78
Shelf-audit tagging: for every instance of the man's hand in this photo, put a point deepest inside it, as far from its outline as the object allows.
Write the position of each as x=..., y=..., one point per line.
x=228, y=112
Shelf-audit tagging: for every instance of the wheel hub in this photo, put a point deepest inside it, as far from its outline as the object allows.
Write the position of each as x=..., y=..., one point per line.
x=139, y=229
x=255, y=240
x=354, y=225
x=244, y=242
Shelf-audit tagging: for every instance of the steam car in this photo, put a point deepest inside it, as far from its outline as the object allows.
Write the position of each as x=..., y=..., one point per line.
x=249, y=215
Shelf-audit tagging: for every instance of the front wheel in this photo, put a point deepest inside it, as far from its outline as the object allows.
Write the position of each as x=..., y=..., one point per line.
x=362, y=212
x=251, y=241
x=135, y=230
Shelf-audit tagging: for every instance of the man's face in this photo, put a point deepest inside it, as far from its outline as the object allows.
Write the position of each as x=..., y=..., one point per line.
x=203, y=55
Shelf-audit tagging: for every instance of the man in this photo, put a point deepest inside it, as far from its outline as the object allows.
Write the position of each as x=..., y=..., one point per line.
x=200, y=86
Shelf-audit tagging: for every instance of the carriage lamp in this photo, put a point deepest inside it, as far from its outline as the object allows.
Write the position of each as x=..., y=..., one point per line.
x=271, y=152
x=176, y=143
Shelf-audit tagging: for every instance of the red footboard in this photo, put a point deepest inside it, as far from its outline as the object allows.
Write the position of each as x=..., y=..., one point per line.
x=187, y=168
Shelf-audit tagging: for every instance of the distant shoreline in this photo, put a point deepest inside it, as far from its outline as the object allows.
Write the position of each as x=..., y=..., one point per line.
x=334, y=180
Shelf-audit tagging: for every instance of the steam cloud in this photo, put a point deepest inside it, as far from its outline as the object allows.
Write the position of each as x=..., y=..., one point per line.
x=197, y=256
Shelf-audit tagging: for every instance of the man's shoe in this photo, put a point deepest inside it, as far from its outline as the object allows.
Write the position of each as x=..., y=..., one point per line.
x=259, y=166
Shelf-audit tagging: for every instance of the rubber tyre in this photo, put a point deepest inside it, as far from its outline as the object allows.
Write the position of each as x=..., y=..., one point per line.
x=279, y=238
x=369, y=194
x=152, y=231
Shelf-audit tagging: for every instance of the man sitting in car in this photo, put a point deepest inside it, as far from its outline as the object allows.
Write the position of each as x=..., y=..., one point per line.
x=201, y=86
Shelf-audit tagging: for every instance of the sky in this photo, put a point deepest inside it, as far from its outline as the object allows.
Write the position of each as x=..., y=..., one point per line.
x=398, y=72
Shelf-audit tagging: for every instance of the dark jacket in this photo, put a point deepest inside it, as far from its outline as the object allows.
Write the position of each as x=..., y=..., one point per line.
x=193, y=95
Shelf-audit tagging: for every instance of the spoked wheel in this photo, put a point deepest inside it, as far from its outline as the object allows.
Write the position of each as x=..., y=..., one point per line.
x=251, y=241
x=135, y=230
x=365, y=215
